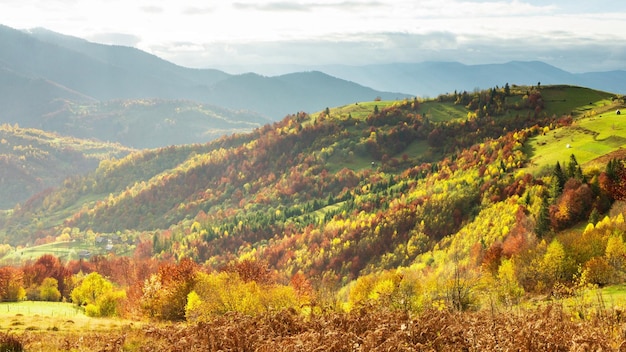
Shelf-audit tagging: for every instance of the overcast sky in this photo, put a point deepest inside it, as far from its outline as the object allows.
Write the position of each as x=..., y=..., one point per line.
x=575, y=35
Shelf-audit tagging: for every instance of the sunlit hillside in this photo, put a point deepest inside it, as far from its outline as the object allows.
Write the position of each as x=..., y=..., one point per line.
x=507, y=198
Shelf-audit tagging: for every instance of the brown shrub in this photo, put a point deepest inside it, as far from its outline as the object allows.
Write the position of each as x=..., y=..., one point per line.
x=368, y=329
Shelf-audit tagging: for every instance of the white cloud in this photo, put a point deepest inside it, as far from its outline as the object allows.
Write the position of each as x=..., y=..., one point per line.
x=243, y=32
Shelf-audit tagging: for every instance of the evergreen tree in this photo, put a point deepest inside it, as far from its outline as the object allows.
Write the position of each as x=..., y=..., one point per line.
x=542, y=225
x=554, y=190
x=594, y=217
x=573, y=169
x=561, y=177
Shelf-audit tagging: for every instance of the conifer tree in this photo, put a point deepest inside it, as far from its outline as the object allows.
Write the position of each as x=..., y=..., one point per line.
x=560, y=175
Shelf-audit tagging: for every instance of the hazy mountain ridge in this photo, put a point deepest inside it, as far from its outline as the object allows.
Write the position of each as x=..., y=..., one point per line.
x=45, y=71
x=434, y=78
x=105, y=72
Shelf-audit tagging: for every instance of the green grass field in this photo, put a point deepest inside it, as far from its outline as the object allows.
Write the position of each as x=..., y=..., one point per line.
x=52, y=316
x=596, y=302
x=575, y=100
x=63, y=250
x=597, y=129
x=442, y=111
x=588, y=138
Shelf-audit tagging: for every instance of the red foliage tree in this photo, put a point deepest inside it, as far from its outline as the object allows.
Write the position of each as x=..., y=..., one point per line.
x=11, y=280
x=47, y=266
x=492, y=258
x=252, y=270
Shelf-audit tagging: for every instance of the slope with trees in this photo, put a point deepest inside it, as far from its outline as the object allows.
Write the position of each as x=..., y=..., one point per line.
x=372, y=210
x=282, y=187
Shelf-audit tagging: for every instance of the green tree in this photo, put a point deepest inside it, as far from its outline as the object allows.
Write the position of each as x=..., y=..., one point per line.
x=97, y=295
x=560, y=175
x=49, y=290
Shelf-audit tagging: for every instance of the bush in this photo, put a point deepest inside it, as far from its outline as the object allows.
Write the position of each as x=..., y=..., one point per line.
x=92, y=310
x=98, y=296
x=49, y=291
x=10, y=343
x=221, y=293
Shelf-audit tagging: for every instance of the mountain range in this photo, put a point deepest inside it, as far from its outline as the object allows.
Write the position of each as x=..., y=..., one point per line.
x=429, y=79
x=46, y=74
x=53, y=82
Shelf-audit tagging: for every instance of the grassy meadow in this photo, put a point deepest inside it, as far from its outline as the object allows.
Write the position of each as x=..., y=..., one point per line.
x=588, y=138
x=66, y=251
x=56, y=326
x=52, y=316
x=597, y=129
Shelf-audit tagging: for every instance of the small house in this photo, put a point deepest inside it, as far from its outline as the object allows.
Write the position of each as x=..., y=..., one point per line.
x=102, y=240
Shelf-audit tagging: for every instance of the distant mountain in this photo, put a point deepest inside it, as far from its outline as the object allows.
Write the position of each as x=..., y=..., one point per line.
x=149, y=123
x=434, y=78
x=302, y=91
x=98, y=72
x=26, y=99
x=134, y=60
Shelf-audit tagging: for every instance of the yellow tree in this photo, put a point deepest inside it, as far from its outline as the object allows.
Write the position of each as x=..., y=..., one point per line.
x=553, y=265
x=615, y=252
x=49, y=290
x=97, y=295
x=509, y=290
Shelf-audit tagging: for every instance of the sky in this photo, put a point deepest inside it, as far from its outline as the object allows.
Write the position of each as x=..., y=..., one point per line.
x=261, y=35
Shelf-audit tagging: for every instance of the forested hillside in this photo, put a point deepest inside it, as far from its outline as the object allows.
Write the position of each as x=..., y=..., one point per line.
x=461, y=202
x=33, y=160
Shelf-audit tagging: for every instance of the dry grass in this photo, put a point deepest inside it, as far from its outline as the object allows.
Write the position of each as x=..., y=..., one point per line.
x=543, y=329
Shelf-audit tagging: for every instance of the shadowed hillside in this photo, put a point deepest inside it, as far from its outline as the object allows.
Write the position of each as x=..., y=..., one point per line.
x=33, y=160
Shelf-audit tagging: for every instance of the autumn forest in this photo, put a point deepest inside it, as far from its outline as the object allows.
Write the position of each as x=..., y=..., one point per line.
x=386, y=224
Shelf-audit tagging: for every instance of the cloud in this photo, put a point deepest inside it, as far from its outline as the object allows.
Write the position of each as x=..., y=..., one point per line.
x=198, y=10
x=315, y=32
x=274, y=6
x=115, y=39
x=307, y=7
x=151, y=9
x=570, y=53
